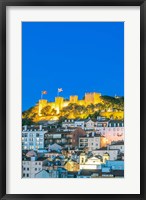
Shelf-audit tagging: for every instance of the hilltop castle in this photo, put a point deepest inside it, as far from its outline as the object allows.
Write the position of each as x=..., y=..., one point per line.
x=60, y=102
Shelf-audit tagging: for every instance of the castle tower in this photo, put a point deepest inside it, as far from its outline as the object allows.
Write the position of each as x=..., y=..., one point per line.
x=42, y=104
x=92, y=98
x=96, y=98
x=73, y=99
x=59, y=103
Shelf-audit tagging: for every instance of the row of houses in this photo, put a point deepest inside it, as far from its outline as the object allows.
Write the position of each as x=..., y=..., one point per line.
x=44, y=167
x=41, y=137
x=89, y=124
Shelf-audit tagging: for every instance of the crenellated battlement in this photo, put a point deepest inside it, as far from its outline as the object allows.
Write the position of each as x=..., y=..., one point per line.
x=59, y=103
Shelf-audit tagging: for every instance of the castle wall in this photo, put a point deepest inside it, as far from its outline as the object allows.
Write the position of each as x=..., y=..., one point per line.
x=73, y=99
x=58, y=103
x=96, y=98
x=90, y=98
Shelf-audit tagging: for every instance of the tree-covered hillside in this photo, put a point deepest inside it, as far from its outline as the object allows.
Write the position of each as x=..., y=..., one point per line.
x=109, y=106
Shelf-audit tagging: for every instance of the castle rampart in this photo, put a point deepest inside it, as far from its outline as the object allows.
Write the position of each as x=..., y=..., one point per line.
x=90, y=98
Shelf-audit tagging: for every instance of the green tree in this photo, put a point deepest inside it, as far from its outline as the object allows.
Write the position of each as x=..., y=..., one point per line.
x=27, y=121
x=46, y=111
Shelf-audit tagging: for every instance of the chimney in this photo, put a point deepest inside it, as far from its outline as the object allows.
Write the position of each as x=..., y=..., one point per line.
x=108, y=147
x=78, y=172
x=33, y=158
x=40, y=127
x=25, y=128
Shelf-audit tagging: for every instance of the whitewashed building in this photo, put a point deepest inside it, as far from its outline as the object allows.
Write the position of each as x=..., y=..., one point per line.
x=89, y=124
x=89, y=163
x=68, y=123
x=114, y=131
x=32, y=165
x=118, y=145
x=33, y=137
x=92, y=142
x=113, y=154
x=80, y=124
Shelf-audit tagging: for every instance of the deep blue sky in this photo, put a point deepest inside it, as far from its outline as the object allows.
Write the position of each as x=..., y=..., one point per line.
x=76, y=56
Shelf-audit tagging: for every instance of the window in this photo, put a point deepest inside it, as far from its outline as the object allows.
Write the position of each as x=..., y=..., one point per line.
x=23, y=175
x=27, y=175
x=83, y=140
x=24, y=135
x=24, y=168
x=35, y=169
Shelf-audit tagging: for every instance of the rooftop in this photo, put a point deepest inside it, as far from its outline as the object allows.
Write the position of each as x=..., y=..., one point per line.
x=117, y=143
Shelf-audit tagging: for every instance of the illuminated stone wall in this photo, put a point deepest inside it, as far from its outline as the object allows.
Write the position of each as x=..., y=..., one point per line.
x=73, y=99
x=90, y=98
x=58, y=103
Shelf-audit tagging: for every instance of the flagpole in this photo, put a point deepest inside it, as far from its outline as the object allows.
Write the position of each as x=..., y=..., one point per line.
x=41, y=95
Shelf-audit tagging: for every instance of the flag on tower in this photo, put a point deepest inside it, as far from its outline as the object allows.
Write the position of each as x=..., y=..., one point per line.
x=44, y=92
x=60, y=90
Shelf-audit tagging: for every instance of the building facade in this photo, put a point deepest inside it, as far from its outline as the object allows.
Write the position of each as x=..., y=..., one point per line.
x=32, y=165
x=33, y=137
